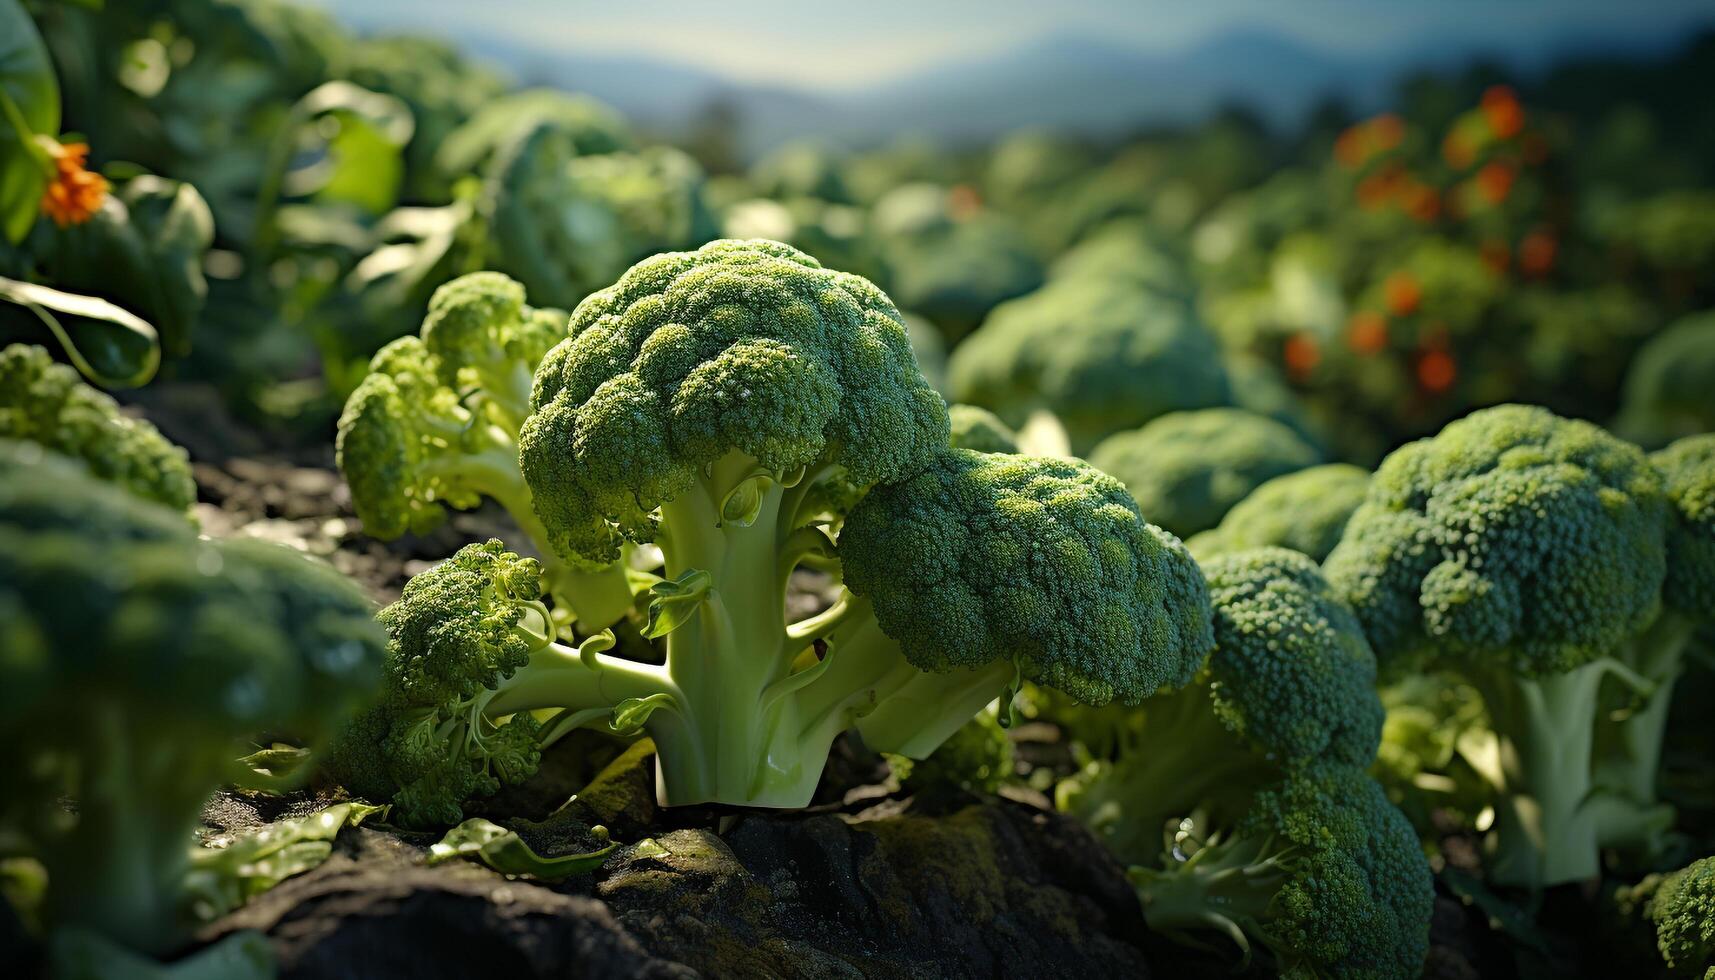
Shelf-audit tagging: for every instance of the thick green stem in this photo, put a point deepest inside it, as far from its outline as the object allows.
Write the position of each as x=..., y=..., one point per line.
x=914, y=719
x=1545, y=831
x=1657, y=656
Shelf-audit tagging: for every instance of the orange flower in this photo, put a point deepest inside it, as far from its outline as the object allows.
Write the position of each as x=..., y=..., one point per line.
x=1457, y=150
x=1495, y=180
x=1505, y=115
x=1402, y=294
x=1301, y=355
x=1420, y=201
x=963, y=202
x=1536, y=253
x=1388, y=130
x=1379, y=188
x=73, y=194
x=1366, y=332
x=1436, y=371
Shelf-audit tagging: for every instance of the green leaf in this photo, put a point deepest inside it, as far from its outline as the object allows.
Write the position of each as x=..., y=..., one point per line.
x=744, y=502
x=29, y=101
x=110, y=345
x=630, y=714
x=506, y=852
x=223, y=878
x=676, y=601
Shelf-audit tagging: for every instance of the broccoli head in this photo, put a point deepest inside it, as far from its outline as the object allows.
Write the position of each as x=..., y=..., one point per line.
x=1681, y=906
x=1517, y=549
x=48, y=403
x=980, y=430
x=149, y=658
x=435, y=425
x=1187, y=469
x=1102, y=355
x=1321, y=871
x=1305, y=511
x=1290, y=682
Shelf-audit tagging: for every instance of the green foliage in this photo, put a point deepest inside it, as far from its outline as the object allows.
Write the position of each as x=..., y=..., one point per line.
x=1668, y=385
x=48, y=404
x=29, y=106
x=979, y=430
x=959, y=268
x=976, y=758
x=1102, y=355
x=1188, y=469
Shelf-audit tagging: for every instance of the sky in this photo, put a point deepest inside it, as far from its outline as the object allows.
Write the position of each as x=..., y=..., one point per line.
x=819, y=45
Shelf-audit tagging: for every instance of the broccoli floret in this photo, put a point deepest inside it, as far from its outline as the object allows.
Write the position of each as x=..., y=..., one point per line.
x=1291, y=681
x=699, y=403
x=1681, y=906
x=150, y=656
x=48, y=403
x=1102, y=355
x=1305, y=511
x=1187, y=469
x=980, y=430
x=435, y=425
x=1667, y=386
x=1320, y=870
x=1629, y=743
x=1516, y=549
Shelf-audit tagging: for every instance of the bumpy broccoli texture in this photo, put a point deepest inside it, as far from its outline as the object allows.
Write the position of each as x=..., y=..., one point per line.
x=1103, y=355
x=1187, y=469
x=1680, y=905
x=49, y=404
x=1270, y=832
x=1518, y=550
x=435, y=425
x=138, y=661
x=1305, y=511
x=700, y=403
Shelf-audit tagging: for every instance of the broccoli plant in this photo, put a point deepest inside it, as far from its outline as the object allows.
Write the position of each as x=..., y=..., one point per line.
x=1103, y=355
x=1304, y=511
x=49, y=404
x=1681, y=906
x=1518, y=550
x=981, y=430
x=703, y=403
x=1187, y=469
x=1291, y=681
x=1666, y=391
x=435, y=425
x=1629, y=747
x=138, y=660
x=1320, y=870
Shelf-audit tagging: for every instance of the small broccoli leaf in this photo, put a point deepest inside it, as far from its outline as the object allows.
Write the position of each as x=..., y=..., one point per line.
x=223, y=878
x=277, y=761
x=676, y=601
x=505, y=852
x=630, y=714
x=1009, y=699
x=744, y=501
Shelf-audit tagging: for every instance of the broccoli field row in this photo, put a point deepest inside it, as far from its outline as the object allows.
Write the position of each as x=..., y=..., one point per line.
x=443, y=523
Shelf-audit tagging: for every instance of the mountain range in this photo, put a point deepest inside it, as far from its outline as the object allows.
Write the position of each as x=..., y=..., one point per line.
x=1068, y=83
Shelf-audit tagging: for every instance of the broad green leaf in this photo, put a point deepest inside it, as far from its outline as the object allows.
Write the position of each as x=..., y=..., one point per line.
x=29, y=101
x=109, y=345
x=223, y=878
x=506, y=852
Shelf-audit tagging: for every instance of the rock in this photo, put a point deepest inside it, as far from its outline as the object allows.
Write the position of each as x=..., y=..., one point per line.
x=373, y=911
x=986, y=888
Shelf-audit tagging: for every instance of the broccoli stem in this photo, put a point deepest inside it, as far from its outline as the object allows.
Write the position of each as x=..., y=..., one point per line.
x=1544, y=728
x=1628, y=750
x=119, y=869
x=596, y=597
x=913, y=718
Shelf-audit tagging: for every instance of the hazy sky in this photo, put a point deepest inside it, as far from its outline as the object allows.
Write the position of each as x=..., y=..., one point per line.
x=819, y=44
